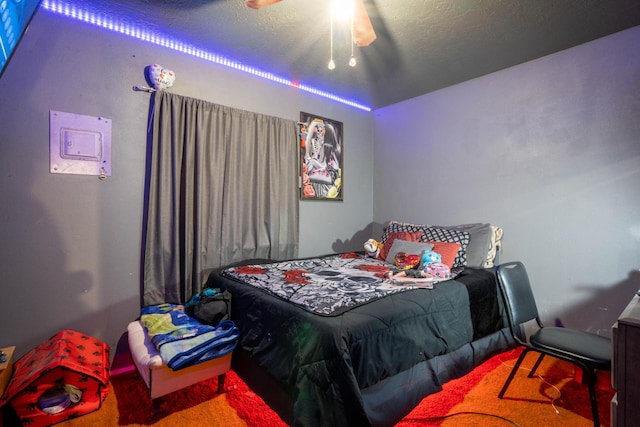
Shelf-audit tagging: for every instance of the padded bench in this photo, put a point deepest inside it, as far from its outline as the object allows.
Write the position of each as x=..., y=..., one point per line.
x=159, y=378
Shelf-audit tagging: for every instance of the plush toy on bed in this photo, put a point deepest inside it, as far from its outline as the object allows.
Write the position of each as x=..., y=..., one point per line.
x=405, y=261
x=372, y=248
x=438, y=270
x=428, y=257
x=431, y=263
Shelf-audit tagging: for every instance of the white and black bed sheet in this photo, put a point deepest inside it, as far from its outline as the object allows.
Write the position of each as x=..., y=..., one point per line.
x=327, y=286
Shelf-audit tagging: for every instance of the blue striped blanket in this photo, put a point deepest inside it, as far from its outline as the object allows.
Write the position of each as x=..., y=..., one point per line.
x=183, y=341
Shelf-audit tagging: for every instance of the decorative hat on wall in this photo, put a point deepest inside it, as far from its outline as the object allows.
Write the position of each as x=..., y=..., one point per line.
x=160, y=78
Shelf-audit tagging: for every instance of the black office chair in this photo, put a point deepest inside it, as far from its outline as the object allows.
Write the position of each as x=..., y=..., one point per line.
x=588, y=351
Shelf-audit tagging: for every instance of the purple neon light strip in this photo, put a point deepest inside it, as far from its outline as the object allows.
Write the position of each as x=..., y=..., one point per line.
x=115, y=25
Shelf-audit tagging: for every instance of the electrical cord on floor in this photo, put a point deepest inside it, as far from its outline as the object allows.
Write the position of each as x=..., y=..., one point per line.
x=553, y=400
x=434, y=419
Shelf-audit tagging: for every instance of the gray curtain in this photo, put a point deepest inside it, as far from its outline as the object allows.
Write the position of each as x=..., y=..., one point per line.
x=222, y=187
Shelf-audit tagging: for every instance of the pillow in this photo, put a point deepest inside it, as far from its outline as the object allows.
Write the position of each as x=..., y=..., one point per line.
x=448, y=251
x=473, y=247
x=412, y=248
x=395, y=226
x=438, y=234
x=494, y=246
x=479, y=242
x=400, y=235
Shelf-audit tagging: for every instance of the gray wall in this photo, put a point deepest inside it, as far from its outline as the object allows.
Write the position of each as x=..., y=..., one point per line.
x=550, y=151
x=70, y=244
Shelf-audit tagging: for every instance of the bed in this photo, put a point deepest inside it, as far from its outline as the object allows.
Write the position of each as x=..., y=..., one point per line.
x=335, y=342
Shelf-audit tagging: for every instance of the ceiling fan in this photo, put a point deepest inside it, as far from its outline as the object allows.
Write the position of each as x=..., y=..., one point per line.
x=363, y=33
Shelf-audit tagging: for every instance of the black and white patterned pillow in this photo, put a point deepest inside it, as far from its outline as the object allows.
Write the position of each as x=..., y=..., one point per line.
x=395, y=226
x=435, y=234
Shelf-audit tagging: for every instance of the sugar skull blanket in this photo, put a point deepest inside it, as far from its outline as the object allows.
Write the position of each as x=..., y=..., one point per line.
x=183, y=341
x=327, y=285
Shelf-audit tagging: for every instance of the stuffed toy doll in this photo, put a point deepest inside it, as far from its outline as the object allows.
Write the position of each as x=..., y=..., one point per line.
x=405, y=261
x=427, y=257
x=372, y=248
x=431, y=263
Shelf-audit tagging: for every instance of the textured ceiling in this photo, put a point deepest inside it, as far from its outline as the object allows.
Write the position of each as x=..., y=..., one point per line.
x=421, y=46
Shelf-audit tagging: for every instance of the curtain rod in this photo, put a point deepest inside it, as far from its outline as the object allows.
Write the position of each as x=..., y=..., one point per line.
x=141, y=88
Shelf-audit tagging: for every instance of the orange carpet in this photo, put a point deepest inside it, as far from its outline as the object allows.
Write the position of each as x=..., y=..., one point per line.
x=468, y=401
x=552, y=398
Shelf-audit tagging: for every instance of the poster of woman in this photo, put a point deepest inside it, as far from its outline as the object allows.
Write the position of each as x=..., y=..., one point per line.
x=321, y=148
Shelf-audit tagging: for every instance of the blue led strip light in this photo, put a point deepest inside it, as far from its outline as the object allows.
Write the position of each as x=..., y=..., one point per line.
x=118, y=26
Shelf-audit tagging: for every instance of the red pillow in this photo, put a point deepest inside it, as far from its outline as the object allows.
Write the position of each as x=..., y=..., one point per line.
x=401, y=235
x=447, y=251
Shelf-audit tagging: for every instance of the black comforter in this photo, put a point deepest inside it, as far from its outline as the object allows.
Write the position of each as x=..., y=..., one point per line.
x=350, y=368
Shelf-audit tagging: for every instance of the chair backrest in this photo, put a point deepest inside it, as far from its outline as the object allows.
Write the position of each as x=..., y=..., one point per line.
x=516, y=288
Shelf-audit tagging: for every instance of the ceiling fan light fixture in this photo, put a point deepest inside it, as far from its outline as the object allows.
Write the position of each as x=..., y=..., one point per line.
x=352, y=12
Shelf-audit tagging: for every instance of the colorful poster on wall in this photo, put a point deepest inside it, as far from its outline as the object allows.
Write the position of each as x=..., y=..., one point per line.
x=321, y=151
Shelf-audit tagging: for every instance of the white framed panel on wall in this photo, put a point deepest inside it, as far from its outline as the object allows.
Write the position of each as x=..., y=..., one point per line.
x=79, y=144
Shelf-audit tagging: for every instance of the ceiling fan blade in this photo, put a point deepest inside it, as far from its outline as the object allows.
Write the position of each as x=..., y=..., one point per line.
x=363, y=33
x=258, y=4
